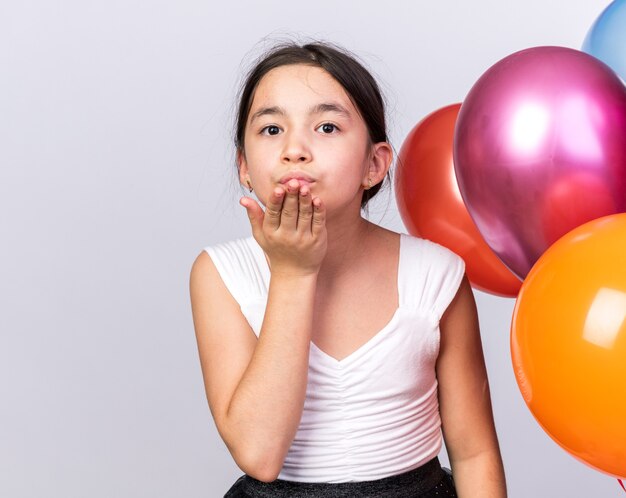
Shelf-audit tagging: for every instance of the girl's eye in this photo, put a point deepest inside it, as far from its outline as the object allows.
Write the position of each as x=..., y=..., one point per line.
x=328, y=128
x=270, y=130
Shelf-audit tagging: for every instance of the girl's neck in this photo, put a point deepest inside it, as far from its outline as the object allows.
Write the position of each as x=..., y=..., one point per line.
x=347, y=243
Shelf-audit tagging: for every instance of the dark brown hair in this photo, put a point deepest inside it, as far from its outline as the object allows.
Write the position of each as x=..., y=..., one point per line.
x=357, y=81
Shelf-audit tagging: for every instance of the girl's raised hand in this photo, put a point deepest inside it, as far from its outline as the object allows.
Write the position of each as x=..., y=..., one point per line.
x=292, y=231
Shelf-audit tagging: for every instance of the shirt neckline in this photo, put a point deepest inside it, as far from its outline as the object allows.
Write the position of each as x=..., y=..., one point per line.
x=372, y=341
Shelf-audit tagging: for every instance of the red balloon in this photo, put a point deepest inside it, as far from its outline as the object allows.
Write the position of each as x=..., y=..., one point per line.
x=431, y=205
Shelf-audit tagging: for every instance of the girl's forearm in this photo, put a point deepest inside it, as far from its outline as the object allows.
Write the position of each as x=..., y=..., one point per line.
x=480, y=476
x=266, y=407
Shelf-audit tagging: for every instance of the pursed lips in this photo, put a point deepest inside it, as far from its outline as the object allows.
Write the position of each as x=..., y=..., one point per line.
x=302, y=179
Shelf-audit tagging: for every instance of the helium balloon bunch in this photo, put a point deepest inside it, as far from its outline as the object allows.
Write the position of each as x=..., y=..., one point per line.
x=526, y=180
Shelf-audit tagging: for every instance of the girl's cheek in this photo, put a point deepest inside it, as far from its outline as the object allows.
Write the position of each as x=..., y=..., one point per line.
x=262, y=149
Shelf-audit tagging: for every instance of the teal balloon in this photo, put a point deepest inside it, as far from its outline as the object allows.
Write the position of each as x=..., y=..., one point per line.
x=606, y=39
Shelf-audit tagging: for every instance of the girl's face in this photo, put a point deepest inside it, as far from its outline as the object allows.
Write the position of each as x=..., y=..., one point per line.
x=302, y=123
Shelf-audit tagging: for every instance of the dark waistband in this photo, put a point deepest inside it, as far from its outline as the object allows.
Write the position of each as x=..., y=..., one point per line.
x=405, y=485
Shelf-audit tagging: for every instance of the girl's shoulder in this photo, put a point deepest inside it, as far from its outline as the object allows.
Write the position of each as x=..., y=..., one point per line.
x=432, y=273
x=242, y=267
x=229, y=255
x=433, y=250
x=235, y=245
x=420, y=251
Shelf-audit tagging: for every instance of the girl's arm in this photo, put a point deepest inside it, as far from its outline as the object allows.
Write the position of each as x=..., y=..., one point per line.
x=465, y=404
x=256, y=388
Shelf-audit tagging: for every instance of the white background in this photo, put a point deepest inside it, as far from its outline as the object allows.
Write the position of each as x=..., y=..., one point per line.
x=116, y=169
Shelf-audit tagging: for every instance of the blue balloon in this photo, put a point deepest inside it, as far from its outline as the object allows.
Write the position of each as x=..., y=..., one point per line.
x=606, y=40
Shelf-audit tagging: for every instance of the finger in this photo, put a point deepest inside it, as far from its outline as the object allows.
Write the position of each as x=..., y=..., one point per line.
x=319, y=217
x=273, y=208
x=255, y=215
x=305, y=210
x=289, y=214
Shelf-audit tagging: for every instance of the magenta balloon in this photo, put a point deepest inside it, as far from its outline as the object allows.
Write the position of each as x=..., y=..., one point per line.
x=540, y=148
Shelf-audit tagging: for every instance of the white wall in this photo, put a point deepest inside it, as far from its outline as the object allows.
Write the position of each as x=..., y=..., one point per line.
x=116, y=170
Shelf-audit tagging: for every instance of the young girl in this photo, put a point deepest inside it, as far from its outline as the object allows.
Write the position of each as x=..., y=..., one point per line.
x=335, y=352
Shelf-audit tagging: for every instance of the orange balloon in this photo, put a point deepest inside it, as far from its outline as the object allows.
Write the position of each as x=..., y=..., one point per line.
x=568, y=343
x=431, y=206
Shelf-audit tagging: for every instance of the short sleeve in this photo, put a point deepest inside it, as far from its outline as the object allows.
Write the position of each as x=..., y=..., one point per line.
x=451, y=282
x=442, y=272
x=239, y=270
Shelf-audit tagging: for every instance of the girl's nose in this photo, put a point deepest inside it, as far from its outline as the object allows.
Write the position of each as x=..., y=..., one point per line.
x=296, y=150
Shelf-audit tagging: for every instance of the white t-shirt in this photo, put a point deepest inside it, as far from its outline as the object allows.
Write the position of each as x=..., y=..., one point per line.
x=375, y=413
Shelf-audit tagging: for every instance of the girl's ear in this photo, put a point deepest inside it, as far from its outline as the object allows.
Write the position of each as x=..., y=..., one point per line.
x=380, y=162
x=242, y=165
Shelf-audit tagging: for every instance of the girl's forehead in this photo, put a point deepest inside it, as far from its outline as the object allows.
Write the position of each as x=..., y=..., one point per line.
x=298, y=85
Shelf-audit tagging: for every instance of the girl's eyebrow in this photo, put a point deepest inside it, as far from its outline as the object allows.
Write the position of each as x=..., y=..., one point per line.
x=267, y=111
x=330, y=107
x=316, y=109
